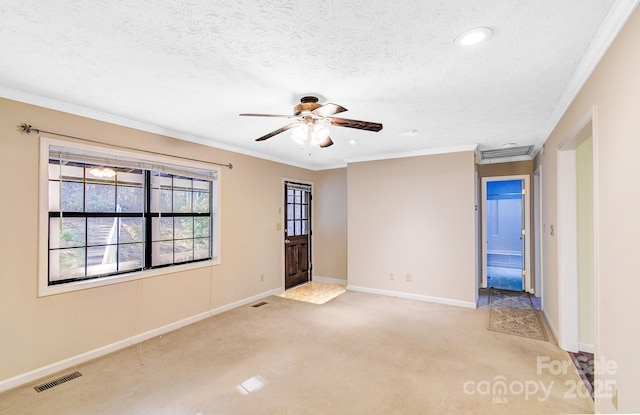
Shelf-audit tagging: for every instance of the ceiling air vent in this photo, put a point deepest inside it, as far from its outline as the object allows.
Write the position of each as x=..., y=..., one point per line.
x=506, y=152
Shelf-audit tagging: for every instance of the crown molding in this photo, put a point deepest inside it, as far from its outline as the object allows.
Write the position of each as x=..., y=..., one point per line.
x=613, y=23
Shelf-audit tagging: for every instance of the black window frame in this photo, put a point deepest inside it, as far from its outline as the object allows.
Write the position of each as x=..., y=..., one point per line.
x=147, y=215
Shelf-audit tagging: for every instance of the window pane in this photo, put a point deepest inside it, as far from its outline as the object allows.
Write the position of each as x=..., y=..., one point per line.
x=131, y=178
x=72, y=197
x=162, y=229
x=130, y=199
x=202, y=227
x=305, y=197
x=101, y=259
x=66, y=232
x=66, y=263
x=304, y=227
x=102, y=231
x=100, y=174
x=100, y=198
x=130, y=256
x=72, y=172
x=183, y=228
x=182, y=201
x=201, y=202
x=131, y=230
x=201, y=185
x=182, y=184
x=298, y=196
x=290, y=228
x=201, y=248
x=305, y=211
x=166, y=201
x=289, y=195
x=162, y=253
x=183, y=250
x=298, y=212
x=290, y=211
x=298, y=228
x=54, y=196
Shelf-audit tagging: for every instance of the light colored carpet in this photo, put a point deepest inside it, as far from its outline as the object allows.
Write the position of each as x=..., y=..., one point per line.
x=513, y=313
x=357, y=354
x=314, y=292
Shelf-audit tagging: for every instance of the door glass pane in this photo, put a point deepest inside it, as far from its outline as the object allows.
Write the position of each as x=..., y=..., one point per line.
x=298, y=228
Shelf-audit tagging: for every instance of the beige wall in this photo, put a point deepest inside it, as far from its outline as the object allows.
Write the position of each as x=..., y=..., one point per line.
x=614, y=90
x=330, y=227
x=414, y=216
x=37, y=332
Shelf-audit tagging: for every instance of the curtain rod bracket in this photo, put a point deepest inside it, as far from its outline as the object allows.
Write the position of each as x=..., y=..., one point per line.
x=28, y=129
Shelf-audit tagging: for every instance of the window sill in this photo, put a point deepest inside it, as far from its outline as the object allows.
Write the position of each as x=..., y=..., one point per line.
x=45, y=290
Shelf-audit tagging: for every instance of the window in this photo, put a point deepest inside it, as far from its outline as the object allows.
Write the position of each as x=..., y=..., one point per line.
x=112, y=215
x=297, y=209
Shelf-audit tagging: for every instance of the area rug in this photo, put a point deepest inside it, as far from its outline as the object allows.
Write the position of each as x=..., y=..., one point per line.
x=584, y=363
x=512, y=312
x=314, y=292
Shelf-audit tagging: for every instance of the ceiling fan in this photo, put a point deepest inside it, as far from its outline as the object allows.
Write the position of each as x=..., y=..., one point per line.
x=311, y=119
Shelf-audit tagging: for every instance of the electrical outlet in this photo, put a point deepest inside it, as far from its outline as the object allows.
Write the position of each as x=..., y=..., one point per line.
x=391, y=276
x=409, y=277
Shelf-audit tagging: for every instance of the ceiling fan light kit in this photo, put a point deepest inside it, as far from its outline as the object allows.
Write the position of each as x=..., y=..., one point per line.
x=311, y=119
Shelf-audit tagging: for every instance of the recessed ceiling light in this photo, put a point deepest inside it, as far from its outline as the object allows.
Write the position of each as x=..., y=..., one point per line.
x=410, y=133
x=474, y=36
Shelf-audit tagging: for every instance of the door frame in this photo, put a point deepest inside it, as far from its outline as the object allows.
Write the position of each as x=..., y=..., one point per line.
x=568, y=335
x=527, y=225
x=538, y=279
x=283, y=226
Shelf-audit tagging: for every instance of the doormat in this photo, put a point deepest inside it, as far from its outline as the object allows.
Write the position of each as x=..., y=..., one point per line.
x=314, y=292
x=512, y=312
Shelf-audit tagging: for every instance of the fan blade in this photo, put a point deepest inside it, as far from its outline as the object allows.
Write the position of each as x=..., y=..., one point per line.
x=329, y=109
x=361, y=125
x=266, y=115
x=278, y=131
x=327, y=142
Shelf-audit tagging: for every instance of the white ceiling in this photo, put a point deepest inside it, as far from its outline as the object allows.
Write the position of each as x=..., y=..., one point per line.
x=188, y=68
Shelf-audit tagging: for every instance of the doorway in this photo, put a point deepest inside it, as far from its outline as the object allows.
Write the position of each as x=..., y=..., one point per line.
x=297, y=241
x=505, y=217
x=577, y=239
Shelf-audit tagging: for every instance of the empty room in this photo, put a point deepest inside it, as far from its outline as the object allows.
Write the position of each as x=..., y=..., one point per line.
x=298, y=207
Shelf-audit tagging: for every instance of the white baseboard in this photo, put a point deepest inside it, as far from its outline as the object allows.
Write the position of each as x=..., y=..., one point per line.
x=554, y=332
x=409, y=296
x=589, y=348
x=330, y=280
x=44, y=371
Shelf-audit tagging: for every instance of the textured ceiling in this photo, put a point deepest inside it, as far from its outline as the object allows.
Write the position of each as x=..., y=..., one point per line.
x=188, y=68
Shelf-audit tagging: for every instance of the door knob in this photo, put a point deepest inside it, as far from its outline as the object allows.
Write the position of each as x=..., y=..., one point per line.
x=286, y=241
